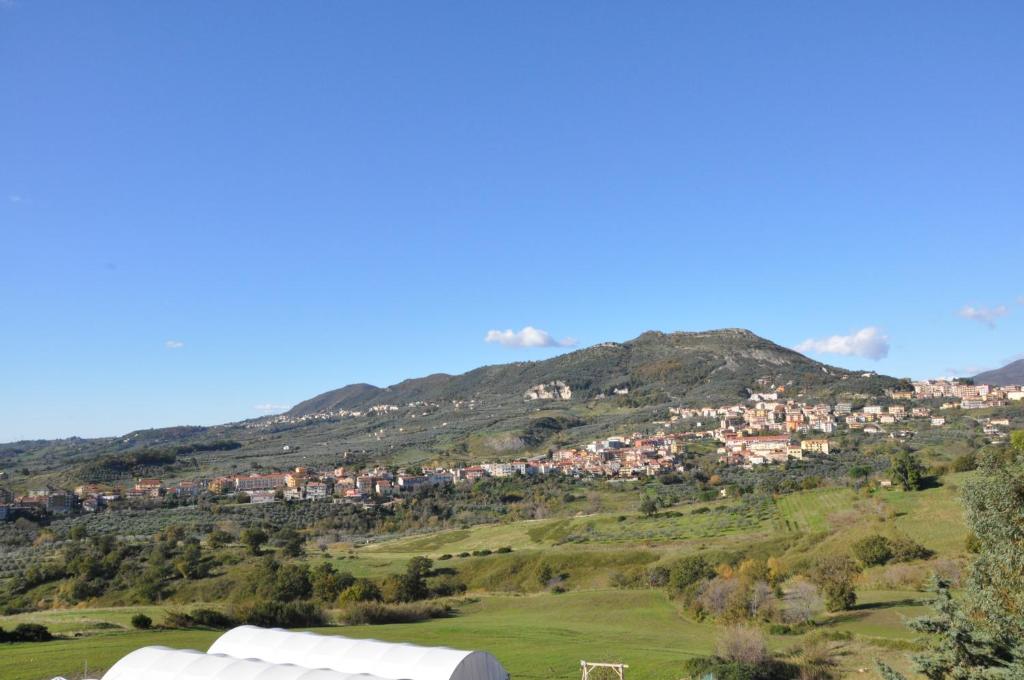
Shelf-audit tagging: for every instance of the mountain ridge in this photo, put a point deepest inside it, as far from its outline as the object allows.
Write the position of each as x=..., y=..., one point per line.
x=715, y=365
x=1010, y=374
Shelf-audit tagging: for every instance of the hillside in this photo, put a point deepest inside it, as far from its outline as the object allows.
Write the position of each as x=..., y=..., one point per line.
x=1010, y=374
x=581, y=395
x=718, y=366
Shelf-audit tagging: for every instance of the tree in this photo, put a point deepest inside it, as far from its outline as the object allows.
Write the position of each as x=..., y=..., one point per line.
x=328, y=582
x=291, y=542
x=994, y=510
x=419, y=567
x=292, y=583
x=219, y=539
x=649, y=507
x=834, y=575
x=907, y=470
x=689, y=570
x=957, y=647
x=981, y=638
x=255, y=539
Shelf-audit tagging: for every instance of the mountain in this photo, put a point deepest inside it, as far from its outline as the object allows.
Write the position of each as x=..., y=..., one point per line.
x=492, y=411
x=1010, y=374
x=710, y=367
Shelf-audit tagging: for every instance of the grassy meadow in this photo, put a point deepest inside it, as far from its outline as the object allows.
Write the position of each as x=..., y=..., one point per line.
x=539, y=634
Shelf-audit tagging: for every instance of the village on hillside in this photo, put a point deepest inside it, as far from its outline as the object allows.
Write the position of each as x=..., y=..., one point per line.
x=766, y=429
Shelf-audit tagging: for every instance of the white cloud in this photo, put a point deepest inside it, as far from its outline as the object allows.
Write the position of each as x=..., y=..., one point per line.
x=869, y=343
x=1020, y=300
x=527, y=337
x=271, y=408
x=13, y=198
x=985, y=315
x=174, y=344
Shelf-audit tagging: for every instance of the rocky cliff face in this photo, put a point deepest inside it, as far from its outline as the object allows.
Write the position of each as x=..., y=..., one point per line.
x=556, y=389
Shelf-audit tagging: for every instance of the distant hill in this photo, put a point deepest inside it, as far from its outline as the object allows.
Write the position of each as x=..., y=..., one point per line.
x=710, y=367
x=1010, y=374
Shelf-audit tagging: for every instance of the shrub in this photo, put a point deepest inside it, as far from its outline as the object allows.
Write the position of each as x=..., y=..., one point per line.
x=31, y=632
x=277, y=614
x=965, y=463
x=211, y=618
x=446, y=556
x=363, y=590
x=142, y=622
x=873, y=550
x=817, y=660
x=687, y=571
x=505, y=549
x=905, y=549
x=743, y=644
x=374, y=613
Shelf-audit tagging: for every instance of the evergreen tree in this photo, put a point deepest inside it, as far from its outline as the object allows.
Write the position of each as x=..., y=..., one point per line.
x=981, y=640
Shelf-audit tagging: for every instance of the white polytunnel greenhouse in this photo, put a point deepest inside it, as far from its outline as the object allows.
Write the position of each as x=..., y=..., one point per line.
x=395, y=661
x=251, y=653
x=161, y=663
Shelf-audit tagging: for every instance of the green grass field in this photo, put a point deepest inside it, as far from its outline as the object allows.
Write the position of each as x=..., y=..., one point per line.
x=536, y=637
x=544, y=635
x=808, y=511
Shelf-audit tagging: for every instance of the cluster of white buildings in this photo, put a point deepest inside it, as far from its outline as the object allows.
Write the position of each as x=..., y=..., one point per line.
x=412, y=410
x=970, y=396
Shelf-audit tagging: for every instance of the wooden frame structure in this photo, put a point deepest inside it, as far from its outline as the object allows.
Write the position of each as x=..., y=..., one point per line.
x=588, y=667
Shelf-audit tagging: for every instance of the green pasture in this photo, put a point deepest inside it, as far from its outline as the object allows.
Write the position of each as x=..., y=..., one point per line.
x=536, y=637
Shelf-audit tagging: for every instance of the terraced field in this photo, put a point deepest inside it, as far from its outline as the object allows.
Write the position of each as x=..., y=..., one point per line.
x=809, y=511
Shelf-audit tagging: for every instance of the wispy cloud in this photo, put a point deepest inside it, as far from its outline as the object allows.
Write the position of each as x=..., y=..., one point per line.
x=174, y=344
x=270, y=408
x=984, y=315
x=13, y=198
x=1020, y=300
x=527, y=337
x=869, y=343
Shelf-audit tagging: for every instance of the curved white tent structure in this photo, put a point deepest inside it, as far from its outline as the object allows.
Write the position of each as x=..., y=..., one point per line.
x=354, y=656
x=161, y=663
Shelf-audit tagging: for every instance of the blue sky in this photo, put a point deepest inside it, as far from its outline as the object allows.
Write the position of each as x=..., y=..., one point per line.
x=206, y=208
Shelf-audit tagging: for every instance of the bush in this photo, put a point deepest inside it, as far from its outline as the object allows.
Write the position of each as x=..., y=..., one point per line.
x=905, y=550
x=720, y=669
x=743, y=644
x=687, y=571
x=142, y=622
x=211, y=618
x=965, y=463
x=30, y=632
x=200, y=618
x=277, y=614
x=363, y=590
x=873, y=550
x=506, y=549
x=374, y=613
